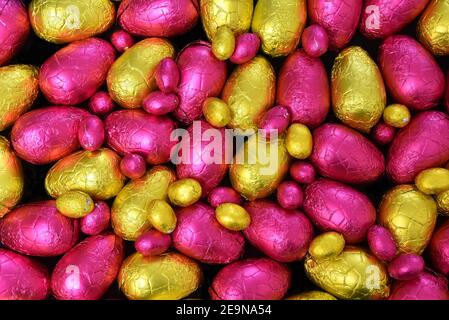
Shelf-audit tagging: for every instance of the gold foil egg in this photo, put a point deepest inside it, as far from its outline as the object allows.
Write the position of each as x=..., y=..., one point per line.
x=433, y=27
x=353, y=275
x=397, y=115
x=216, y=112
x=249, y=92
x=232, y=216
x=358, y=90
x=326, y=245
x=75, y=204
x=312, y=295
x=299, y=141
x=11, y=178
x=131, y=77
x=223, y=44
x=410, y=215
x=20, y=87
x=170, y=276
x=96, y=173
x=162, y=216
x=131, y=208
x=62, y=21
x=184, y=192
x=433, y=180
x=259, y=167
x=443, y=203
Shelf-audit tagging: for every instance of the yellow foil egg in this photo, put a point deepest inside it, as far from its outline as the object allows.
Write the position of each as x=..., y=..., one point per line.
x=397, y=115
x=326, y=245
x=358, y=90
x=11, y=178
x=259, y=167
x=232, y=216
x=162, y=216
x=299, y=141
x=249, y=92
x=353, y=275
x=279, y=24
x=96, y=173
x=433, y=181
x=223, y=44
x=443, y=203
x=410, y=215
x=312, y=295
x=170, y=276
x=184, y=192
x=131, y=208
x=433, y=27
x=75, y=204
x=20, y=87
x=62, y=21
x=216, y=112
x=131, y=77
x=236, y=15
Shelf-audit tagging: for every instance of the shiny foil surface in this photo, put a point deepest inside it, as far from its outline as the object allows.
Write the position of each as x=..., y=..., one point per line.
x=439, y=249
x=427, y=286
x=433, y=27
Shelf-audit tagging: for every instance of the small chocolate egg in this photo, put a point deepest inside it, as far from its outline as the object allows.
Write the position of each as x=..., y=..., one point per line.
x=161, y=216
x=160, y=103
x=75, y=204
x=246, y=47
x=101, y=103
x=133, y=166
x=443, y=203
x=427, y=286
x=167, y=75
x=290, y=195
x=299, y=141
x=302, y=172
x=406, y=266
x=97, y=220
x=216, y=112
x=232, y=216
x=223, y=43
x=274, y=121
x=91, y=133
x=122, y=40
x=312, y=295
x=397, y=115
x=152, y=243
x=382, y=133
x=326, y=245
x=433, y=27
x=381, y=243
x=184, y=192
x=439, y=249
x=223, y=194
x=315, y=40
x=433, y=181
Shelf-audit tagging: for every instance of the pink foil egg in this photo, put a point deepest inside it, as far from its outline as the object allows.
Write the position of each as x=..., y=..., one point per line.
x=275, y=120
x=159, y=103
x=382, y=18
x=381, y=243
x=97, y=221
x=422, y=144
x=38, y=229
x=290, y=195
x=202, y=76
x=246, y=47
x=101, y=103
x=302, y=172
x=315, y=40
x=74, y=73
x=153, y=243
x=14, y=28
x=133, y=166
x=382, y=133
x=167, y=75
x=91, y=133
x=345, y=155
x=199, y=235
x=446, y=101
x=281, y=234
x=221, y=195
x=427, y=286
x=251, y=279
x=134, y=131
x=22, y=278
x=158, y=18
x=48, y=134
x=439, y=249
x=88, y=270
x=303, y=87
x=333, y=206
x=338, y=17
x=406, y=266
x=411, y=73
x=122, y=40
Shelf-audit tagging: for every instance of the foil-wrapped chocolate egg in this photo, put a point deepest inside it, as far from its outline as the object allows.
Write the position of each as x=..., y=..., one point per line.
x=75, y=204
x=198, y=235
x=251, y=279
x=168, y=276
x=406, y=266
x=122, y=40
x=411, y=73
x=433, y=181
x=101, y=103
x=91, y=133
x=279, y=24
x=327, y=245
x=223, y=43
x=312, y=295
x=290, y=195
x=130, y=210
x=22, y=278
x=443, y=203
x=345, y=155
x=274, y=121
x=184, y=192
x=232, y=216
x=315, y=40
x=439, y=249
x=427, y=286
x=410, y=216
x=96, y=173
x=152, y=243
x=382, y=133
x=353, y=274
x=162, y=216
x=302, y=172
x=299, y=141
x=381, y=243
x=88, y=270
x=45, y=135
x=223, y=194
x=38, y=229
x=358, y=90
x=96, y=221
x=283, y=235
x=246, y=47
x=131, y=77
x=433, y=27
x=397, y=115
x=133, y=166
x=167, y=75
x=216, y=112
x=160, y=103
x=20, y=87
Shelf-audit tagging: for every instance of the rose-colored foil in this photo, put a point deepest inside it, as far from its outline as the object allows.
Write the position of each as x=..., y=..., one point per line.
x=122, y=40
x=199, y=235
x=153, y=243
x=406, y=266
x=159, y=103
x=202, y=76
x=411, y=73
x=74, y=73
x=281, y=234
x=48, y=134
x=88, y=270
x=422, y=144
x=315, y=40
x=303, y=87
x=91, y=133
x=221, y=195
x=133, y=166
x=345, y=155
x=446, y=101
x=251, y=279
x=382, y=133
x=290, y=195
x=275, y=120
x=97, y=221
x=439, y=249
x=22, y=278
x=38, y=229
x=246, y=47
x=381, y=243
x=134, y=131
x=427, y=286
x=14, y=28
x=158, y=18
x=101, y=103
x=302, y=172
x=167, y=75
